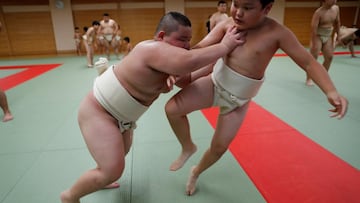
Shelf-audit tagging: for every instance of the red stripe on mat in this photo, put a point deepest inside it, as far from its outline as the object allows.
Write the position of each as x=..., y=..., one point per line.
x=286, y=166
x=30, y=72
x=335, y=53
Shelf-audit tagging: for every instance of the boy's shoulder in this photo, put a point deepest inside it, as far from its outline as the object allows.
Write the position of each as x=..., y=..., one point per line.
x=271, y=24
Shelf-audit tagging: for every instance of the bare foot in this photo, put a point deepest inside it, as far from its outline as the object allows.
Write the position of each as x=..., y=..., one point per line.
x=112, y=185
x=191, y=183
x=7, y=117
x=66, y=198
x=184, y=156
x=309, y=82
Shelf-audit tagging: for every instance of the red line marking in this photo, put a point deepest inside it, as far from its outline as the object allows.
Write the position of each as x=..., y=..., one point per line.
x=335, y=53
x=285, y=165
x=30, y=72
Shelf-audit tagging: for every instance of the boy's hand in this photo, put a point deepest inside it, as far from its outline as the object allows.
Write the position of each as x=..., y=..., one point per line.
x=233, y=38
x=339, y=102
x=170, y=83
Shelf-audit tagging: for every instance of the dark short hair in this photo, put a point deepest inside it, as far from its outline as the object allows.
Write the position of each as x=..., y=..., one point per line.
x=221, y=2
x=170, y=22
x=127, y=39
x=106, y=14
x=266, y=2
x=95, y=22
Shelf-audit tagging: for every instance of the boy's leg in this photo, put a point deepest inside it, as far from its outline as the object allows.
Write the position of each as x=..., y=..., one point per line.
x=100, y=131
x=226, y=129
x=4, y=105
x=328, y=52
x=351, y=49
x=197, y=95
x=315, y=48
x=88, y=54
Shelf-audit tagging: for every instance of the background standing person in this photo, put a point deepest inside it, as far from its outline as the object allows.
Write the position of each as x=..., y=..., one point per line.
x=108, y=114
x=107, y=32
x=219, y=15
x=325, y=21
x=346, y=38
x=77, y=38
x=128, y=45
x=88, y=40
x=117, y=43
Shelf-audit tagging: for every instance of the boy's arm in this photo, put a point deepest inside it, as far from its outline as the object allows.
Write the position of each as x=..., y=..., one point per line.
x=172, y=60
x=314, y=26
x=291, y=46
x=99, y=30
x=116, y=27
x=191, y=77
x=88, y=34
x=321, y=77
x=337, y=24
x=214, y=36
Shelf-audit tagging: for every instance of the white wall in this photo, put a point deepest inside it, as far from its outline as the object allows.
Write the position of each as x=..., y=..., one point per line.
x=63, y=24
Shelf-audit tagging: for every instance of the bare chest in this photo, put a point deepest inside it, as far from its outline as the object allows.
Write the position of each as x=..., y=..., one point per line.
x=252, y=58
x=328, y=17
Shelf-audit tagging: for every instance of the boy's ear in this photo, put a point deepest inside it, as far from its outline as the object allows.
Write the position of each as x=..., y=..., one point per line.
x=160, y=35
x=268, y=8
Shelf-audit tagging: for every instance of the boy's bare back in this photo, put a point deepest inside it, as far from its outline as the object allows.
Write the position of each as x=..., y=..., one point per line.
x=153, y=82
x=152, y=61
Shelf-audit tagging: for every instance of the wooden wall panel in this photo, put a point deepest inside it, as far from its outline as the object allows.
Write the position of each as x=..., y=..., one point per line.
x=4, y=42
x=347, y=15
x=30, y=33
x=198, y=17
x=312, y=0
x=139, y=24
x=24, y=2
x=299, y=21
x=46, y=2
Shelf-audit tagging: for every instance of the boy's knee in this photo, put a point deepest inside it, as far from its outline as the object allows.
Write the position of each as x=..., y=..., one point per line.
x=171, y=108
x=112, y=175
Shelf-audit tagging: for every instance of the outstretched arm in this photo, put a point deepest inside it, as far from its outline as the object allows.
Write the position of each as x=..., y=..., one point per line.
x=214, y=36
x=317, y=72
x=180, y=61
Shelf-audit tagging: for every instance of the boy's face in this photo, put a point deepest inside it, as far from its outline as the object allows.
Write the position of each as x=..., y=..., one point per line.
x=180, y=38
x=106, y=18
x=248, y=13
x=330, y=2
x=222, y=8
